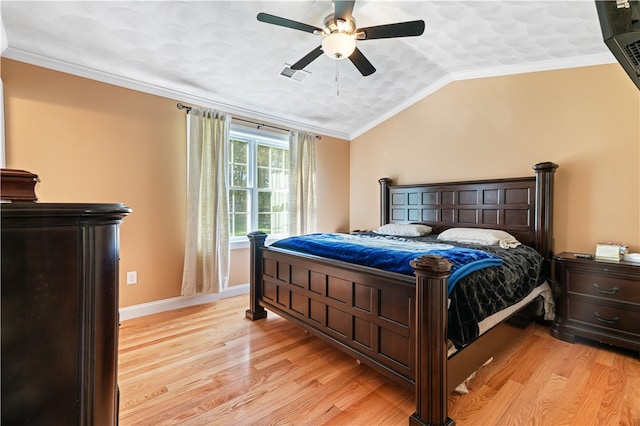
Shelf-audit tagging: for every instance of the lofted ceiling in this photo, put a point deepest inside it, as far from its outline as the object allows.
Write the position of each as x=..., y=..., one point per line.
x=216, y=53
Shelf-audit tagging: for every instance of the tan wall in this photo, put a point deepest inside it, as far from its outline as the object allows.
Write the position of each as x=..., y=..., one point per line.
x=94, y=142
x=584, y=119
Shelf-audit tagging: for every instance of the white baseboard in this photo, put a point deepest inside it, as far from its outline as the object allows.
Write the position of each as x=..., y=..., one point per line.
x=144, y=309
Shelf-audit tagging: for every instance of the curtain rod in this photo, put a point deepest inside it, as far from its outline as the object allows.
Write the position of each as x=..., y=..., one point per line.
x=188, y=108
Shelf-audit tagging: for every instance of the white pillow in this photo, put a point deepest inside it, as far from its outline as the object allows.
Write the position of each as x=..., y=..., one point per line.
x=403, y=230
x=487, y=237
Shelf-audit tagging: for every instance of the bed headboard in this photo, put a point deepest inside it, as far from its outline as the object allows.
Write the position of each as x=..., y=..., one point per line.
x=521, y=206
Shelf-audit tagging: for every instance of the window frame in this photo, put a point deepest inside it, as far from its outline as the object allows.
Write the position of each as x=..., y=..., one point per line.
x=254, y=137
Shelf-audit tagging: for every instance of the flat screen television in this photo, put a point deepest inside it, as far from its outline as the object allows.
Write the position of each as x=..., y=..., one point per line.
x=620, y=25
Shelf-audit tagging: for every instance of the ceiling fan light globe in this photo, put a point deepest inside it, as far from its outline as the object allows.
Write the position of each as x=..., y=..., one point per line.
x=338, y=45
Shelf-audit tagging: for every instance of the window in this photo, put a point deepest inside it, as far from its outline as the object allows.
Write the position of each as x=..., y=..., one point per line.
x=258, y=183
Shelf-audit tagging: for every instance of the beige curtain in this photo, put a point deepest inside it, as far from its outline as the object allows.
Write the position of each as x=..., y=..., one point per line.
x=302, y=182
x=206, y=258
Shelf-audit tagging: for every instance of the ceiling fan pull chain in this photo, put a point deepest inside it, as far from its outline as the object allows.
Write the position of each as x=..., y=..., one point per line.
x=337, y=78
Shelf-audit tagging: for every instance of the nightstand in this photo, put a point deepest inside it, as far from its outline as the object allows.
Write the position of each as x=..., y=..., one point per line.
x=598, y=300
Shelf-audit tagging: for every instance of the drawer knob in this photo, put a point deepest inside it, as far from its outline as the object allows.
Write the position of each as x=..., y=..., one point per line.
x=608, y=321
x=599, y=289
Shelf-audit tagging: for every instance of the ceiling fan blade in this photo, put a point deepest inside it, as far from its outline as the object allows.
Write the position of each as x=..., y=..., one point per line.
x=343, y=9
x=400, y=29
x=288, y=23
x=362, y=63
x=309, y=57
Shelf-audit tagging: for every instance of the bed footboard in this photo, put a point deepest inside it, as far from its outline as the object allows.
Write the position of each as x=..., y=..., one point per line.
x=367, y=313
x=357, y=311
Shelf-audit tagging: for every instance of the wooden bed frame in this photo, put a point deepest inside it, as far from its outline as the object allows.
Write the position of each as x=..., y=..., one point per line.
x=394, y=323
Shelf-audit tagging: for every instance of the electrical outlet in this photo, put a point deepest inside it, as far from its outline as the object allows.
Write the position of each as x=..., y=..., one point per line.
x=132, y=277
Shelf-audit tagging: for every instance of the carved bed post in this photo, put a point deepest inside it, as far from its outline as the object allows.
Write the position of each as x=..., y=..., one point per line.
x=544, y=201
x=384, y=200
x=255, y=311
x=431, y=341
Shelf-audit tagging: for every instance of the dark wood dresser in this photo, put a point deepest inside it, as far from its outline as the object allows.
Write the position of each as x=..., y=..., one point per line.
x=60, y=313
x=598, y=300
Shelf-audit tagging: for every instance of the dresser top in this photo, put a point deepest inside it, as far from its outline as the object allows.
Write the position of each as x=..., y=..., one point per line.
x=570, y=257
x=25, y=209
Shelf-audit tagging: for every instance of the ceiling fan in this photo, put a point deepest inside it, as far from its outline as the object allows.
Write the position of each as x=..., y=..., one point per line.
x=340, y=34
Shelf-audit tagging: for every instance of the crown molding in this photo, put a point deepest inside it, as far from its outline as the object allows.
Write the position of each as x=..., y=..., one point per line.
x=152, y=89
x=184, y=97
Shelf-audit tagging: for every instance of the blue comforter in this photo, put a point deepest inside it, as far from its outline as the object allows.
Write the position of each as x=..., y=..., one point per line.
x=388, y=254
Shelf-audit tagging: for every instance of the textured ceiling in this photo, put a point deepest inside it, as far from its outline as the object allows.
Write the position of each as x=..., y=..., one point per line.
x=215, y=53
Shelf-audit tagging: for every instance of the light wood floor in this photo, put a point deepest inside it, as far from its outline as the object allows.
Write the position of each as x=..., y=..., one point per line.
x=208, y=365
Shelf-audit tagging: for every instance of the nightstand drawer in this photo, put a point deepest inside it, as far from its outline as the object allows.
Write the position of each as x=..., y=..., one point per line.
x=610, y=317
x=605, y=286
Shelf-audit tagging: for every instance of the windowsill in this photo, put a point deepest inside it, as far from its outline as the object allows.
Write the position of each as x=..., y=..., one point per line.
x=244, y=243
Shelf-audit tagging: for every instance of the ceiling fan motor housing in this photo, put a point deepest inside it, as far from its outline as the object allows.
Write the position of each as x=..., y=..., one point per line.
x=332, y=25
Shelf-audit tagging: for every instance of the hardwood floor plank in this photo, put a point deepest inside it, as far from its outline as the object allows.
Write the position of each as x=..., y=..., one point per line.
x=495, y=409
x=630, y=414
x=547, y=399
x=568, y=402
x=587, y=413
x=209, y=365
x=359, y=382
x=542, y=387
